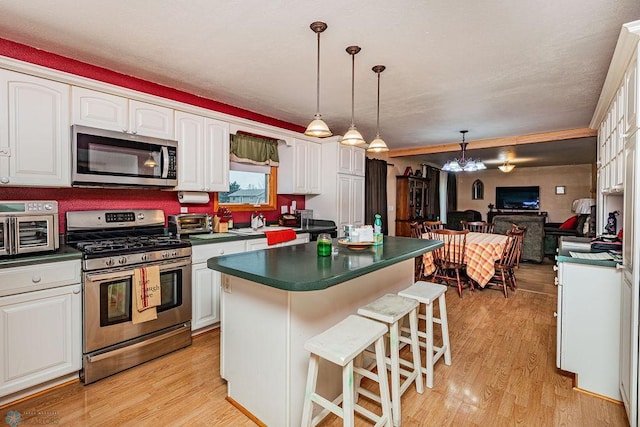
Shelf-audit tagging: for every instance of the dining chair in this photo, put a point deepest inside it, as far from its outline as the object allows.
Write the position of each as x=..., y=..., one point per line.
x=432, y=225
x=449, y=259
x=505, y=266
x=477, y=226
x=416, y=229
x=521, y=231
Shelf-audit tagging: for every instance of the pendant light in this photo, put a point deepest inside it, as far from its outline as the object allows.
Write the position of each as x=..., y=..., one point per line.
x=353, y=137
x=506, y=167
x=378, y=145
x=150, y=162
x=463, y=163
x=318, y=127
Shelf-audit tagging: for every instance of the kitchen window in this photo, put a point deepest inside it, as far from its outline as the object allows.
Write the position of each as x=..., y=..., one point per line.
x=252, y=174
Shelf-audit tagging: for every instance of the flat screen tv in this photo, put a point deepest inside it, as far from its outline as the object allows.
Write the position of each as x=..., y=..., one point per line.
x=525, y=198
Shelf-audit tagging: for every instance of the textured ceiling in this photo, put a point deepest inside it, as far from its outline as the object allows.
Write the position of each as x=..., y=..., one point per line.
x=495, y=67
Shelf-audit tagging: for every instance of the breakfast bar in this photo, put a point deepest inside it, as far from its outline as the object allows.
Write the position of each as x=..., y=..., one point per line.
x=273, y=300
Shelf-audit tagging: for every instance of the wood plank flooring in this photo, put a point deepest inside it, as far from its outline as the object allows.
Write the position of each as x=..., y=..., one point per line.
x=503, y=374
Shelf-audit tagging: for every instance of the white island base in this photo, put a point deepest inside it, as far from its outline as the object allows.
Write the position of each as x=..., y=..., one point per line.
x=263, y=334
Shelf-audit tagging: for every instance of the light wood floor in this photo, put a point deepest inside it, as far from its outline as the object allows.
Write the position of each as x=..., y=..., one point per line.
x=503, y=374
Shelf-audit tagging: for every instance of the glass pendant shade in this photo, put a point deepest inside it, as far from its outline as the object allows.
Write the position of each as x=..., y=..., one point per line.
x=353, y=137
x=318, y=127
x=378, y=145
x=506, y=167
x=150, y=162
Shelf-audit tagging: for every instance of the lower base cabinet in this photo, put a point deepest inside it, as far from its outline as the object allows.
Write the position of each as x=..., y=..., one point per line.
x=588, y=329
x=40, y=337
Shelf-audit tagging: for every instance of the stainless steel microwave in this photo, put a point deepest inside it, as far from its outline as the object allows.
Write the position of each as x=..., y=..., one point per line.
x=28, y=227
x=117, y=159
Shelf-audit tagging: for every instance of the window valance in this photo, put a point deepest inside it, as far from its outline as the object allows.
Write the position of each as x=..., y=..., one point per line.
x=254, y=150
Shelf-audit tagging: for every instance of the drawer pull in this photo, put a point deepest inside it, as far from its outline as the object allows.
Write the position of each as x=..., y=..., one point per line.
x=36, y=279
x=555, y=314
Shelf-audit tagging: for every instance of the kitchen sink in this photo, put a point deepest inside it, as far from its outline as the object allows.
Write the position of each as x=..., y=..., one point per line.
x=248, y=231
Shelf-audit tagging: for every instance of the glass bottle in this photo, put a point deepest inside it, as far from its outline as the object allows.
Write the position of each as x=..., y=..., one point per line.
x=324, y=244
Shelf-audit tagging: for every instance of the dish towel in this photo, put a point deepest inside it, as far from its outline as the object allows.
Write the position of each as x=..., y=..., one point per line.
x=279, y=236
x=147, y=295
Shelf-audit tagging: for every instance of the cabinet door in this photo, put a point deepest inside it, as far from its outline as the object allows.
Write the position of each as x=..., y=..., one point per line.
x=190, y=135
x=357, y=200
x=359, y=156
x=40, y=337
x=345, y=159
x=216, y=155
x=35, y=144
x=206, y=296
x=100, y=110
x=345, y=202
x=314, y=171
x=300, y=184
x=150, y=120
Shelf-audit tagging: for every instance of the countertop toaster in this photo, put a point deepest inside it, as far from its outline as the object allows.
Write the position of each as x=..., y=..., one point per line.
x=190, y=224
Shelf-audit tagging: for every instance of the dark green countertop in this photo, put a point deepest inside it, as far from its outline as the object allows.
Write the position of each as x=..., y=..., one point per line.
x=299, y=268
x=64, y=253
x=565, y=256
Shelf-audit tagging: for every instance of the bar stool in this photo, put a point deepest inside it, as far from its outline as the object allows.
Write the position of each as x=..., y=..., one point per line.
x=341, y=344
x=426, y=293
x=392, y=309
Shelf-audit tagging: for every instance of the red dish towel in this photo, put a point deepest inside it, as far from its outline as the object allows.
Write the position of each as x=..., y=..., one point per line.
x=279, y=236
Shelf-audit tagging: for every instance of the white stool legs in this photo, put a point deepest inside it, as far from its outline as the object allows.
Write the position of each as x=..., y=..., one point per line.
x=391, y=309
x=426, y=293
x=341, y=344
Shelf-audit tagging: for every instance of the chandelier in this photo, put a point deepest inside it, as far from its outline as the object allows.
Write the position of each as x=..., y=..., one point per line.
x=463, y=163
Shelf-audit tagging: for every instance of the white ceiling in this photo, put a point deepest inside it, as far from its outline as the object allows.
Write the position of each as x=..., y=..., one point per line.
x=495, y=67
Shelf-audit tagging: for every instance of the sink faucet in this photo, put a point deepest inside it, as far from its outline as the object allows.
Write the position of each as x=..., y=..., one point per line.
x=257, y=220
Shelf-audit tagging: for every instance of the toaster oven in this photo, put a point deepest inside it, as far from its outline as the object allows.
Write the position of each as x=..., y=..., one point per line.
x=190, y=224
x=28, y=227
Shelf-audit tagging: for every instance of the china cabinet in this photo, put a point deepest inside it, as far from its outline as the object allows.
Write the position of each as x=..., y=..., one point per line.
x=411, y=202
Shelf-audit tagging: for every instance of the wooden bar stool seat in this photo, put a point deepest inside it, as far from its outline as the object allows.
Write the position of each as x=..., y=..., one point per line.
x=426, y=293
x=392, y=309
x=342, y=344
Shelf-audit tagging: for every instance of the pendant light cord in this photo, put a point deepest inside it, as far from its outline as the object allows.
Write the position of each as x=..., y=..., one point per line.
x=378, y=110
x=353, y=68
x=318, y=79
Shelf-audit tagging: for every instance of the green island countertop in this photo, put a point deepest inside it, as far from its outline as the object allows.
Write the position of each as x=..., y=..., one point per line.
x=299, y=268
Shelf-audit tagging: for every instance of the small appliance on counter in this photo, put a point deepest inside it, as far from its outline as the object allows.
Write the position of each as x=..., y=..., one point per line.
x=288, y=220
x=28, y=227
x=192, y=223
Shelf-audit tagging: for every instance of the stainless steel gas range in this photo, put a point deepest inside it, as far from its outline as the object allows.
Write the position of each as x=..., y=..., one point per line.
x=114, y=245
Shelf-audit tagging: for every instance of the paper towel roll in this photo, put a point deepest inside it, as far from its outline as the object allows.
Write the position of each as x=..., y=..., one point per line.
x=194, y=197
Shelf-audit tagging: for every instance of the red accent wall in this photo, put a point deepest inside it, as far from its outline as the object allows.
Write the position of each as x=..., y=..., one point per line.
x=92, y=198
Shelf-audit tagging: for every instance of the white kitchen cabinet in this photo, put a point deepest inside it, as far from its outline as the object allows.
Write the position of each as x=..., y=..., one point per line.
x=630, y=85
x=257, y=244
x=588, y=339
x=342, y=197
x=299, y=171
x=106, y=111
x=40, y=324
x=205, y=295
x=203, y=153
x=351, y=160
x=35, y=139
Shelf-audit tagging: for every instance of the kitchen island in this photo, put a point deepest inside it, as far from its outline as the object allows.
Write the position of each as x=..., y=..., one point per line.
x=273, y=300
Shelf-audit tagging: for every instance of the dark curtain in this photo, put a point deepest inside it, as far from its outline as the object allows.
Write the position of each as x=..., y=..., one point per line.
x=375, y=192
x=452, y=193
x=433, y=199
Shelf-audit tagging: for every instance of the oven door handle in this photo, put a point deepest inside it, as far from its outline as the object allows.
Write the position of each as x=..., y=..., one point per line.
x=109, y=276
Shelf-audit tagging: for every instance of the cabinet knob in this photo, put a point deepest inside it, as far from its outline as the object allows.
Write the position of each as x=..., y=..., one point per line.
x=4, y=180
x=555, y=268
x=221, y=252
x=555, y=281
x=555, y=314
x=76, y=291
x=134, y=132
x=36, y=279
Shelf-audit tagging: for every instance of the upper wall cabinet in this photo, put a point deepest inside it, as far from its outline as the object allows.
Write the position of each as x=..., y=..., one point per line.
x=203, y=153
x=351, y=159
x=631, y=94
x=35, y=138
x=105, y=111
x=299, y=170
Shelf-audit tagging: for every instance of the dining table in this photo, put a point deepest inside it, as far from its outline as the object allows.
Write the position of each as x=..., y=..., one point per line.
x=481, y=252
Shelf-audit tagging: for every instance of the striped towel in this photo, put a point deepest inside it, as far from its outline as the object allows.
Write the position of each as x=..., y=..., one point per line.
x=147, y=294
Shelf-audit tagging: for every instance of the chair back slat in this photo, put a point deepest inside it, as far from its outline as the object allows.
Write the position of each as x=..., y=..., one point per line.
x=432, y=225
x=520, y=232
x=511, y=253
x=455, y=244
x=477, y=226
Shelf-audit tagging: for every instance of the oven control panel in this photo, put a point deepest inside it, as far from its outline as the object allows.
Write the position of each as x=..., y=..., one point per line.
x=135, y=258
